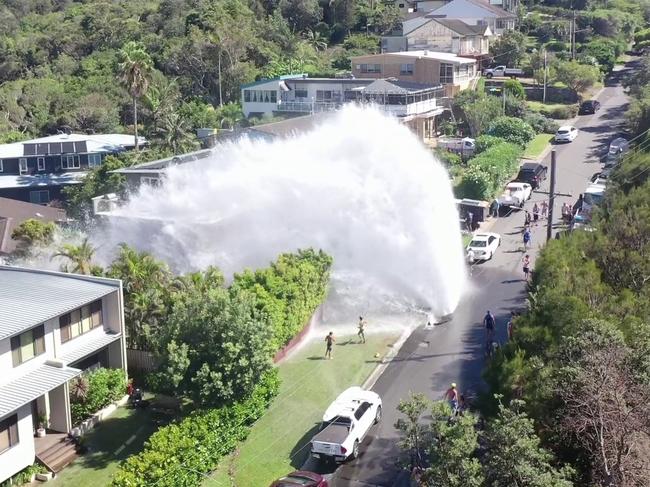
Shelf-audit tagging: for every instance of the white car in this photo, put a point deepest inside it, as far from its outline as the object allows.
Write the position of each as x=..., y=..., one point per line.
x=346, y=423
x=515, y=194
x=566, y=133
x=484, y=245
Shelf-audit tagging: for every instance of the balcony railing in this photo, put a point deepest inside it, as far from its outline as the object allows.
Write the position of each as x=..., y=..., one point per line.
x=414, y=108
x=308, y=107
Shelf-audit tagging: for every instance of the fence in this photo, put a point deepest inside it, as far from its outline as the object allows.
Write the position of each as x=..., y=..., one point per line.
x=140, y=360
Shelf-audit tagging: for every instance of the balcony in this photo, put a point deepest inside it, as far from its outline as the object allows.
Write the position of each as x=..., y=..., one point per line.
x=307, y=106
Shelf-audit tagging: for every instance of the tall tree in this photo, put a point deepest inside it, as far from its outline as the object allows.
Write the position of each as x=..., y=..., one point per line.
x=79, y=257
x=135, y=72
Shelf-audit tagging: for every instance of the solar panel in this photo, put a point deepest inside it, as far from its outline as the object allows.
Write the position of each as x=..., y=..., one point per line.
x=67, y=147
x=42, y=149
x=29, y=149
x=81, y=146
x=55, y=148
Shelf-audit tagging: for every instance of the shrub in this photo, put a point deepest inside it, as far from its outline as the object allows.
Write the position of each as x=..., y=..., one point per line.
x=512, y=130
x=540, y=123
x=557, y=46
x=489, y=171
x=104, y=387
x=561, y=113
x=178, y=454
x=289, y=291
x=448, y=158
x=484, y=142
x=515, y=88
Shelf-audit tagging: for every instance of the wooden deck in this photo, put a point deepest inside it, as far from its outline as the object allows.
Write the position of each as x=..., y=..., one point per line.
x=55, y=451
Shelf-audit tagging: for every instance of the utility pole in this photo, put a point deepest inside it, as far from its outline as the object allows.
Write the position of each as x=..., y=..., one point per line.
x=551, y=199
x=573, y=36
x=503, y=92
x=545, y=77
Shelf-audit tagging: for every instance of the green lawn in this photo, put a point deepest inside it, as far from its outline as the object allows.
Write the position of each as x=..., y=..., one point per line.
x=107, y=445
x=279, y=441
x=536, y=146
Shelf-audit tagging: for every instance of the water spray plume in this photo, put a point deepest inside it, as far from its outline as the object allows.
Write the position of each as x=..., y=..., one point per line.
x=360, y=186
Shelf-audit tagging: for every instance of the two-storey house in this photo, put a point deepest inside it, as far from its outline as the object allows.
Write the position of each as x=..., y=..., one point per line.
x=36, y=170
x=439, y=34
x=477, y=12
x=53, y=326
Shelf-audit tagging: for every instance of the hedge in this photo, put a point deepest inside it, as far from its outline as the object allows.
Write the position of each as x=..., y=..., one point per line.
x=489, y=171
x=512, y=130
x=289, y=291
x=561, y=113
x=178, y=455
x=540, y=123
x=484, y=142
x=104, y=386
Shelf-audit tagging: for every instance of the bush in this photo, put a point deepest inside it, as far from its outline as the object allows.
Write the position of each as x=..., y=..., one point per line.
x=484, y=142
x=512, y=130
x=557, y=46
x=448, y=158
x=104, y=387
x=561, y=113
x=178, y=454
x=489, y=171
x=515, y=88
x=289, y=291
x=540, y=123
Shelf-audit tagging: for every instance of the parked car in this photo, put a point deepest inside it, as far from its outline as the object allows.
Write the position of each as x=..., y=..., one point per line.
x=532, y=173
x=345, y=424
x=600, y=178
x=617, y=149
x=515, y=194
x=484, y=245
x=501, y=71
x=592, y=197
x=566, y=133
x=302, y=479
x=463, y=146
x=589, y=107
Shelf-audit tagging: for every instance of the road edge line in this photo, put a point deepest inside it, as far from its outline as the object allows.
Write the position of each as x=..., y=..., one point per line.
x=388, y=358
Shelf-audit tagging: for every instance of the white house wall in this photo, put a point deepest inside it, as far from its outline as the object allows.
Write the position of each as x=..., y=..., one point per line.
x=261, y=107
x=23, y=454
x=432, y=36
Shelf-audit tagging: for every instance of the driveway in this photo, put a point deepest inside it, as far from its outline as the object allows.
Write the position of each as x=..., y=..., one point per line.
x=453, y=352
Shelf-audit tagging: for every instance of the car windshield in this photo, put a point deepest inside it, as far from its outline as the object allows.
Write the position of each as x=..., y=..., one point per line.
x=478, y=243
x=593, y=199
x=295, y=480
x=562, y=131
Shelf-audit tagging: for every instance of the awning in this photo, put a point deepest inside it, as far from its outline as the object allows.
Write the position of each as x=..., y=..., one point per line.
x=284, y=87
x=33, y=385
x=91, y=346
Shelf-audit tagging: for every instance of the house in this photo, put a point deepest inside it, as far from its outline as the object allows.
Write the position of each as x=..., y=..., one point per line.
x=439, y=34
x=511, y=6
x=53, y=326
x=453, y=72
x=14, y=212
x=477, y=12
x=36, y=170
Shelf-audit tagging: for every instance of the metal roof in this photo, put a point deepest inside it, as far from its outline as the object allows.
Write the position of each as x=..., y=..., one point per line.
x=462, y=28
x=397, y=86
x=30, y=297
x=93, y=345
x=279, y=78
x=42, y=180
x=160, y=164
x=32, y=385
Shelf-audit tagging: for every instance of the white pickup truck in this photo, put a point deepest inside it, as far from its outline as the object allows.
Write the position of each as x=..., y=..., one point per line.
x=345, y=424
x=502, y=71
x=465, y=146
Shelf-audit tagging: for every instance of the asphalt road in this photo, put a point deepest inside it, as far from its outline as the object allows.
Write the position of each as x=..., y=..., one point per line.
x=453, y=352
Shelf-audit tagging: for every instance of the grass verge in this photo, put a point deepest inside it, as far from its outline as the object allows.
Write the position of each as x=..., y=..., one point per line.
x=114, y=439
x=536, y=146
x=538, y=106
x=279, y=441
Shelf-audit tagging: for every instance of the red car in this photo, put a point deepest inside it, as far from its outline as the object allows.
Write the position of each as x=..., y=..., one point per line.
x=302, y=479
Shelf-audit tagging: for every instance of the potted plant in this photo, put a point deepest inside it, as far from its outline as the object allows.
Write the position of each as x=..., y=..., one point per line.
x=42, y=422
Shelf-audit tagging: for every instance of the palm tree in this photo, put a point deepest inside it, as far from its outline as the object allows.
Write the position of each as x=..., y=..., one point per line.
x=175, y=134
x=230, y=115
x=80, y=257
x=134, y=73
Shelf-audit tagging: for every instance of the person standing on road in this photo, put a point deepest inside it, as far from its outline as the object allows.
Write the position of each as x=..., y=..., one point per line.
x=526, y=265
x=526, y=218
x=565, y=212
x=489, y=323
x=527, y=239
x=329, y=340
x=544, y=208
x=535, y=213
x=511, y=325
x=469, y=221
x=362, y=326
x=452, y=397
x=495, y=208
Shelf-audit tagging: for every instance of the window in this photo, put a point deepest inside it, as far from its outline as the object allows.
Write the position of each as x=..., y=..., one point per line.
x=370, y=68
x=150, y=181
x=22, y=165
x=8, y=433
x=1, y=168
x=261, y=96
x=446, y=73
x=406, y=69
x=247, y=95
x=323, y=95
x=28, y=345
x=40, y=163
x=300, y=94
x=94, y=160
x=80, y=321
x=70, y=162
x=41, y=197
